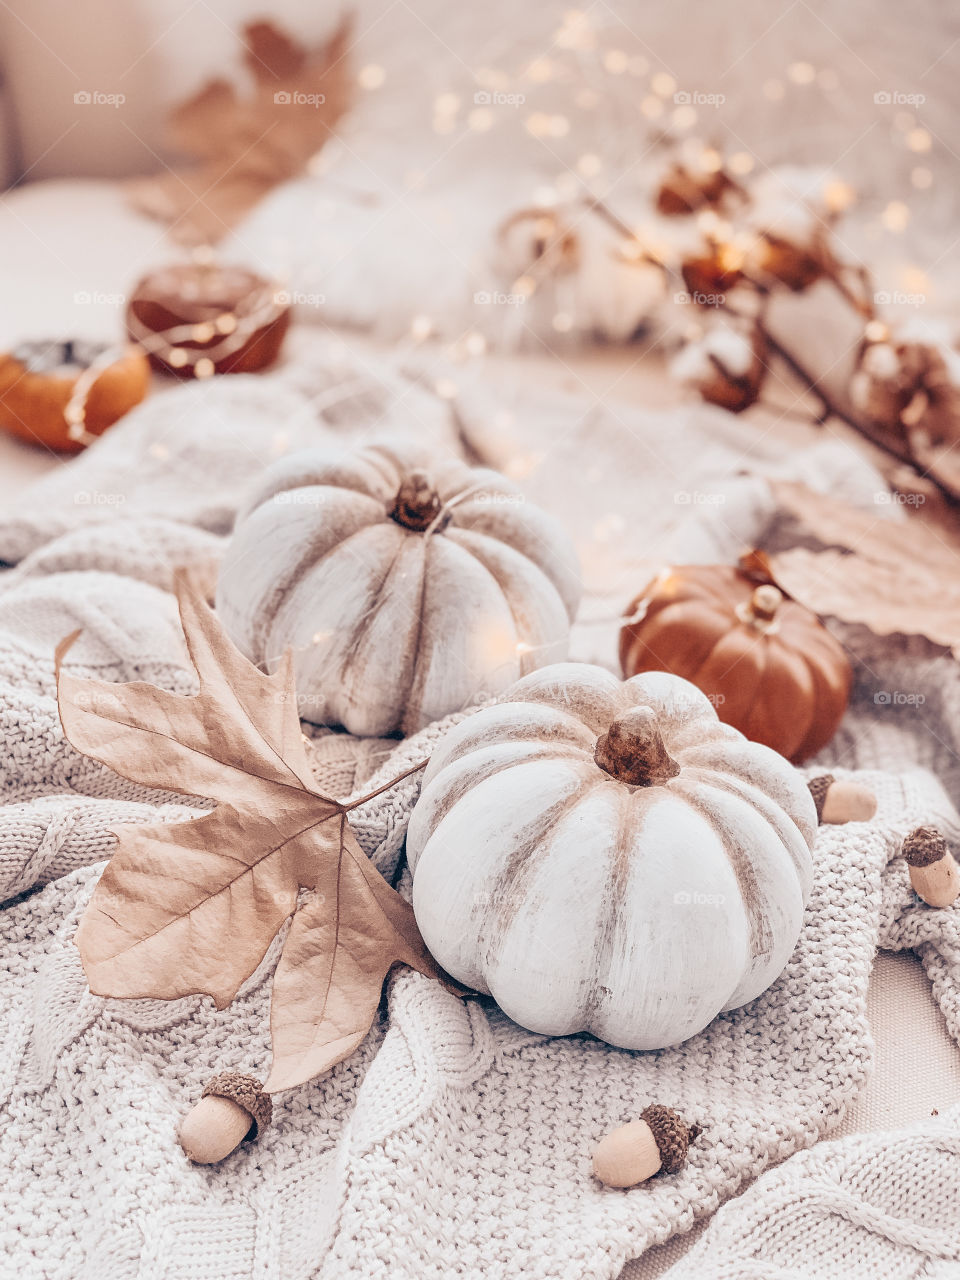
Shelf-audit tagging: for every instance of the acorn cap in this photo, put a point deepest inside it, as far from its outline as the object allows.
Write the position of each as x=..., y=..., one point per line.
x=672, y=1135
x=923, y=847
x=246, y=1092
x=818, y=789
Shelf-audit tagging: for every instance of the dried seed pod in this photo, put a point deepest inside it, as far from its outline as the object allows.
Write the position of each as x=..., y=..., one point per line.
x=712, y=274
x=908, y=386
x=841, y=801
x=726, y=364
x=685, y=189
x=232, y=1109
x=934, y=873
x=791, y=264
x=657, y=1142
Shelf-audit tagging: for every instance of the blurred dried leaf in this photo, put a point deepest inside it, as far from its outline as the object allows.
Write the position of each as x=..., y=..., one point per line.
x=893, y=576
x=191, y=907
x=249, y=144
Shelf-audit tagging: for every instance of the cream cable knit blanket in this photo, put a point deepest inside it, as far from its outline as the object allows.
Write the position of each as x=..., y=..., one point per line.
x=452, y=1141
x=883, y=1205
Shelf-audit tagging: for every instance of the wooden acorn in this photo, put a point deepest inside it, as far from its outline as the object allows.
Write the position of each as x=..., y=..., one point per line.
x=232, y=1109
x=934, y=873
x=657, y=1142
x=841, y=800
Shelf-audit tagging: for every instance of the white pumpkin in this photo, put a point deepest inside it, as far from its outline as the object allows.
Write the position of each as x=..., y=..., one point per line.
x=608, y=857
x=407, y=587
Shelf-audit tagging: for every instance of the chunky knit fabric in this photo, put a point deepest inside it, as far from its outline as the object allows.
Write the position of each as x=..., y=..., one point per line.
x=452, y=1142
x=883, y=1205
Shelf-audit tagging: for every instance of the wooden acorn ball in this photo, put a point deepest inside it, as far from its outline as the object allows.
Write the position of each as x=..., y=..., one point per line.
x=232, y=1109
x=657, y=1142
x=841, y=800
x=934, y=873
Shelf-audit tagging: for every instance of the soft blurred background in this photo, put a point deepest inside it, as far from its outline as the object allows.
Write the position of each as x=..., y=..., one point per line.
x=471, y=197
x=455, y=121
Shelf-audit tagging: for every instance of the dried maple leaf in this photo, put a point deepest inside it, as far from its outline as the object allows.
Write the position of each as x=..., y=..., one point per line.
x=893, y=576
x=191, y=908
x=247, y=145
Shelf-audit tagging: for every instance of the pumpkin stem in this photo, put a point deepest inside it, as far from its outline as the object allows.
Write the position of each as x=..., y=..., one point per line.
x=417, y=504
x=764, y=603
x=632, y=750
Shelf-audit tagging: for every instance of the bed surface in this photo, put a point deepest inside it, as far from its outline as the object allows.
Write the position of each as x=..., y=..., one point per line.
x=70, y=250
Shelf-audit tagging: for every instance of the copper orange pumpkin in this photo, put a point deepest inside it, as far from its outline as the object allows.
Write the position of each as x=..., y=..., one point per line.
x=768, y=664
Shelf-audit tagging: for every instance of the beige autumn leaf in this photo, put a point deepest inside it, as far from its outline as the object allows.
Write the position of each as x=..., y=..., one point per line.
x=191, y=908
x=245, y=145
x=893, y=576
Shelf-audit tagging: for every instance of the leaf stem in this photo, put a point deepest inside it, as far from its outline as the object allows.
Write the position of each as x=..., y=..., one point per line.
x=355, y=804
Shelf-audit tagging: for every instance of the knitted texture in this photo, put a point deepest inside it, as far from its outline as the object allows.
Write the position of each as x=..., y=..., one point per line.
x=883, y=1205
x=452, y=1141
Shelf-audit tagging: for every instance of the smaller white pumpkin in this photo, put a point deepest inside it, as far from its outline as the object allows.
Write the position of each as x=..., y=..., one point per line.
x=609, y=857
x=407, y=586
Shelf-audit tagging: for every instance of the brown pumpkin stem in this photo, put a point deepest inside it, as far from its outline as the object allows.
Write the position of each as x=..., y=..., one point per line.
x=765, y=602
x=632, y=750
x=417, y=504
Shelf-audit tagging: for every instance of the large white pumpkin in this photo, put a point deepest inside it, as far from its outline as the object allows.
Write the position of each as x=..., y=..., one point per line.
x=608, y=857
x=407, y=587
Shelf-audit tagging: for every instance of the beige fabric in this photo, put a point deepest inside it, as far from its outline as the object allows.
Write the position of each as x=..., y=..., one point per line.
x=916, y=1072
x=883, y=1205
x=28, y=534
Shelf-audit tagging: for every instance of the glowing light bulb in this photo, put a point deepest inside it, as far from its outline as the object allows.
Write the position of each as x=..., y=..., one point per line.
x=615, y=61
x=802, y=72
x=895, y=216
x=540, y=71
x=838, y=196
x=372, y=76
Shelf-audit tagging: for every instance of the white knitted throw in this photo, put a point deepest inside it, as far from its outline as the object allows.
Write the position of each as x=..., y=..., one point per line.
x=883, y=1205
x=452, y=1142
